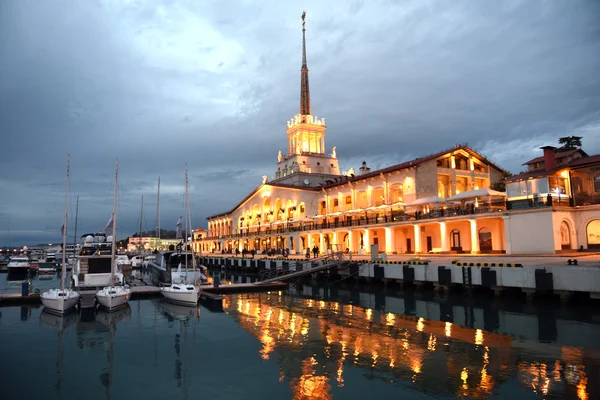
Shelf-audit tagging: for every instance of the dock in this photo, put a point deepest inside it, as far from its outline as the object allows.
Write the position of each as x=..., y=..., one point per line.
x=207, y=293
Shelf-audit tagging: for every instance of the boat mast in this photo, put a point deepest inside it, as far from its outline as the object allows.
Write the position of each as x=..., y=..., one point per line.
x=75, y=234
x=114, y=230
x=141, y=216
x=64, y=230
x=187, y=213
x=158, y=215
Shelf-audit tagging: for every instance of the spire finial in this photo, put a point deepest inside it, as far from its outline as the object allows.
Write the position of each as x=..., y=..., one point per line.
x=304, y=89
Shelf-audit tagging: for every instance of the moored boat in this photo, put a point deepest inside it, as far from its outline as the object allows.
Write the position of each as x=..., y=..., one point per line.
x=18, y=265
x=113, y=297
x=61, y=300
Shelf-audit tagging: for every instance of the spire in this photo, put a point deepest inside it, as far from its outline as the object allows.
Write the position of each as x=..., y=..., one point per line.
x=304, y=90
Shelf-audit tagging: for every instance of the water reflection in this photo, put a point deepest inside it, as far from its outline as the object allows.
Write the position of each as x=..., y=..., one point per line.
x=315, y=341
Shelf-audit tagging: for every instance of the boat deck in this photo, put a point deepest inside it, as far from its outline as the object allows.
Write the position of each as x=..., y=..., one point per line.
x=145, y=292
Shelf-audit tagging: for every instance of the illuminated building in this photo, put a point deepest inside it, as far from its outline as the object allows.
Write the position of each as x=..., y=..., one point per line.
x=440, y=203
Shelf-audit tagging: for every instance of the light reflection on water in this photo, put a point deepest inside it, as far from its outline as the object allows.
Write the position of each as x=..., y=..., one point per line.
x=330, y=344
x=439, y=358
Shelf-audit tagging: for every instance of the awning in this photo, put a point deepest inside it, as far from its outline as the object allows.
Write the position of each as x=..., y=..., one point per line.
x=471, y=194
x=426, y=200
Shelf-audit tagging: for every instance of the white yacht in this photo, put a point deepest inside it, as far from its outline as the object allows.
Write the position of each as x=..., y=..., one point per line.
x=186, y=292
x=61, y=300
x=113, y=297
x=93, y=267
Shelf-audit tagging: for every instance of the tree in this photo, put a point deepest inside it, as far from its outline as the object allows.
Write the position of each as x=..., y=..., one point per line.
x=500, y=184
x=569, y=143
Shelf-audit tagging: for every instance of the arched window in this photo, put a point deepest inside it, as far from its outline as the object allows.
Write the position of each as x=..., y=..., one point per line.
x=593, y=234
x=377, y=197
x=361, y=200
x=396, y=194
x=565, y=236
x=597, y=183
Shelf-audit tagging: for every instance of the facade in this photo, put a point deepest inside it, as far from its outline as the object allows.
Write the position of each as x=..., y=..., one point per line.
x=150, y=243
x=440, y=203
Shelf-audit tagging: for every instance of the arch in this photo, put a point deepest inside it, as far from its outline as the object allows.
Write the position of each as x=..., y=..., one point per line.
x=347, y=203
x=377, y=197
x=592, y=232
x=266, y=212
x=565, y=235
x=255, y=214
x=396, y=193
x=485, y=240
x=361, y=200
x=289, y=210
x=278, y=210
x=455, y=241
x=300, y=211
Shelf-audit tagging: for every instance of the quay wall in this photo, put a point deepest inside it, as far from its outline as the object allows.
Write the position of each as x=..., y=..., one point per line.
x=556, y=279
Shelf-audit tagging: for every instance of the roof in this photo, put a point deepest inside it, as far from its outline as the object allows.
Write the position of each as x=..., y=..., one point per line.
x=341, y=180
x=560, y=154
x=282, y=185
x=413, y=163
x=577, y=163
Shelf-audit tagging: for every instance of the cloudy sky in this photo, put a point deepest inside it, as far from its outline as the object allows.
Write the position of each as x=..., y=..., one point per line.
x=158, y=83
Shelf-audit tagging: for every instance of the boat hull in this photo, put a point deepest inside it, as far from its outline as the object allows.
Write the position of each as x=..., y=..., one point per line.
x=113, y=297
x=181, y=294
x=59, y=301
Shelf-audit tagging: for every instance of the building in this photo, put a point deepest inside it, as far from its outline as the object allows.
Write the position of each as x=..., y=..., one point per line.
x=150, y=243
x=440, y=203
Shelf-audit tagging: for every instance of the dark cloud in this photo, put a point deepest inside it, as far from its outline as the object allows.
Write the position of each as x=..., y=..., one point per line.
x=157, y=84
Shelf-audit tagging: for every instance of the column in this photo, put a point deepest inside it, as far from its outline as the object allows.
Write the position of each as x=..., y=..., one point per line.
x=367, y=242
x=474, y=237
x=390, y=241
x=444, y=236
x=322, y=143
x=369, y=197
x=417, y=229
x=335, y=242
x=506, y=238
x=322, y=249
x=350, y=242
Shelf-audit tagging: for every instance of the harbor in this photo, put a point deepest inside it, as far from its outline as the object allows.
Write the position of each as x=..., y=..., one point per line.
x=313, y=341
x=179, y=219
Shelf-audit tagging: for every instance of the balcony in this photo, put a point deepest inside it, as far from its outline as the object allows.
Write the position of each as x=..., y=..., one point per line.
x=372, y=218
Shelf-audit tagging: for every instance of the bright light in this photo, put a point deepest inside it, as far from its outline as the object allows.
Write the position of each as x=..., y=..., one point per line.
x=478, y=337
x=420, y=324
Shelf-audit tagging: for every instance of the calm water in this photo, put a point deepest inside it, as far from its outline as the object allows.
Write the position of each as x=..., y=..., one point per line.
x=313, y=342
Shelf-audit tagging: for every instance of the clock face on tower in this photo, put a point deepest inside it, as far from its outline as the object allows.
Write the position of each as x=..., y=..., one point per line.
x=306, y=182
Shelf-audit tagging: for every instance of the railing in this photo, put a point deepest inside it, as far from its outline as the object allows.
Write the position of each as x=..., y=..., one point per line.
x=374, y=218
x=316, y=264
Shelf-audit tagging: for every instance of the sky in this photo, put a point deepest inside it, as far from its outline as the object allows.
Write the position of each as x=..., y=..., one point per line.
x=157, y=84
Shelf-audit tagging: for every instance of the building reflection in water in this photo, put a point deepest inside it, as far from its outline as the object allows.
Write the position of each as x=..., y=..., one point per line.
x=316, y=340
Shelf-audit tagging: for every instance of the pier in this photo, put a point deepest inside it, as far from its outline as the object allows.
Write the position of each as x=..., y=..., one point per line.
x=534, y=275
x=207, y=293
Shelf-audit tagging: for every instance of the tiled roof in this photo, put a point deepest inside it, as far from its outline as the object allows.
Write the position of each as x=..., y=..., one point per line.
x=560, y=154
x=341, y=180
x=413, y=163
x=579, y=162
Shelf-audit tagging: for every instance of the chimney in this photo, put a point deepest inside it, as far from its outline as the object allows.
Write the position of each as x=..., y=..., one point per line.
x=364, y=169
x=549, y=157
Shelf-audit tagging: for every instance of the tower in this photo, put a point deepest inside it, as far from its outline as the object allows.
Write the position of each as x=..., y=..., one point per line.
x=306, y=162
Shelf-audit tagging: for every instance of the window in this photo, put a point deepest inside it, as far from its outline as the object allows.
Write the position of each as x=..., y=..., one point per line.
x=557, y=185
x=597, y=183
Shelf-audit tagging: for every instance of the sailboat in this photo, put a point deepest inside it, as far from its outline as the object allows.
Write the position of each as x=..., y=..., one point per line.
x=61, y=300
x=114, y=297
x=183, y=293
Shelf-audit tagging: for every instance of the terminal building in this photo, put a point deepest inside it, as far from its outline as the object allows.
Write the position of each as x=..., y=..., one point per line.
x=438, y=203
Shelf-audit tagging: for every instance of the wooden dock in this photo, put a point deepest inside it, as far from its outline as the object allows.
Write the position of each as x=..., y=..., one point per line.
x=207, y=293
